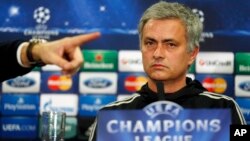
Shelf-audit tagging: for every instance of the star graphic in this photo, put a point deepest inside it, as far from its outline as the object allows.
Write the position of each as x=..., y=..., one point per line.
x=13, y=11
x=102, y=8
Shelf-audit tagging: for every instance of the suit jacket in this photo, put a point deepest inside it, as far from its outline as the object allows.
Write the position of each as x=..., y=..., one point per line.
x=9, y=66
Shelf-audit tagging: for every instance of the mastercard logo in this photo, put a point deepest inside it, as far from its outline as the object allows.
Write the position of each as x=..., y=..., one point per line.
x=59, y=82
x=217, y=85
x=134, y=83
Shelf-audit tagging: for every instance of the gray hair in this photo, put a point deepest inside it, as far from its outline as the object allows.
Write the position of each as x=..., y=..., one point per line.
x=166, y=10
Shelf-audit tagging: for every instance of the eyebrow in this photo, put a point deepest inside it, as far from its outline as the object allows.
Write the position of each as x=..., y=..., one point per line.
x=149, y=38
x=169, y=40
x=165, y=40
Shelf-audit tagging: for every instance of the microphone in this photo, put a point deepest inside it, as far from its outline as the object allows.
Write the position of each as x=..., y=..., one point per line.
x=160, y=90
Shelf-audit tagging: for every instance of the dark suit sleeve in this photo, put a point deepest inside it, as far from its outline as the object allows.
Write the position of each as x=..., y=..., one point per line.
x=9, y=66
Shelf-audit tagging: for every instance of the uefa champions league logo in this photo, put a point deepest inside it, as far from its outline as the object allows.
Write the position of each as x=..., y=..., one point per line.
x=163, y=108
x=41, y=15
x=164, y=121
x=200, y=14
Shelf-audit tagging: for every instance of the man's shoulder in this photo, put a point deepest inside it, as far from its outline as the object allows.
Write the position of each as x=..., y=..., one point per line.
x=123, y=104
x=215, y=96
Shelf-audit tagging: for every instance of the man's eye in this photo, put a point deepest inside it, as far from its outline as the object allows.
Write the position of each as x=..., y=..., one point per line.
x=171, y=44
x=149, y=44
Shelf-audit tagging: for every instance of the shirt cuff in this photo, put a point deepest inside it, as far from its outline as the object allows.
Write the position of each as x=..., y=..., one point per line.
x=18, y=54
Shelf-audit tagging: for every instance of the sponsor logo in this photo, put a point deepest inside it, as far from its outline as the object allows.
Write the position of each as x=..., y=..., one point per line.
x=29, y=83
x=163, y=120
x=21, y=82
x=244, y=68
x=135, y=61
x=57, y=82
x=19, y=127
x=201, y=16
x=98, y=66
x=59, y=103
x=131, y=82
x=93, y=107
x=217, y=85
x=163, y=107
x=48, y=106
x=214, y=62
x=98, y=83
x=199, y=13
x=98, y=57
x=242, y=85
x=218, y=63
x=90, y=104
x=245, y=86
x=130, y=60
x=134, y=83
x=242, y=63
x=20, y=104
x=41, y=16
x=100, y=60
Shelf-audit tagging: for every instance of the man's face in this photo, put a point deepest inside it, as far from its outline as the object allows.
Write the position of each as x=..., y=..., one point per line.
x=164, y=50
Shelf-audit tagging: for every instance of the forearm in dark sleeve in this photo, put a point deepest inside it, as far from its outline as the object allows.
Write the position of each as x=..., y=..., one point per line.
x=9, y=66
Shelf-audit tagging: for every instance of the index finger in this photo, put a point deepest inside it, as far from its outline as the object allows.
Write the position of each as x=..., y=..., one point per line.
x=81, y=39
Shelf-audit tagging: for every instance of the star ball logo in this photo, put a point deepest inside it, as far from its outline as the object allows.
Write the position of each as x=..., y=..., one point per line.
x=41, y=15
x=200, y=14
x=163, y=107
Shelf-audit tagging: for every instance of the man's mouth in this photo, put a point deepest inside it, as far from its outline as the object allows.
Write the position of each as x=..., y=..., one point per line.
x=158, y=66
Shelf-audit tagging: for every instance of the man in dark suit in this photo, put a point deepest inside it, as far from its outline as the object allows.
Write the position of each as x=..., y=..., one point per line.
x=18, y=57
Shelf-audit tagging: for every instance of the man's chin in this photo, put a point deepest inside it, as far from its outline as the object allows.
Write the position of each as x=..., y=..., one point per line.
x=159, y=78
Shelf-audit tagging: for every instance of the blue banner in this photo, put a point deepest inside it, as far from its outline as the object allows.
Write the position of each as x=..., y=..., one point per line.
x=43, y=20
x=245, y=107
x=19, y=127
x=90, y=104
x=163, y=121
x=20, y=104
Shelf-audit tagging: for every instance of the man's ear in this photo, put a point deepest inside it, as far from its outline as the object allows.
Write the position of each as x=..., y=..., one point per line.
x=193, y=55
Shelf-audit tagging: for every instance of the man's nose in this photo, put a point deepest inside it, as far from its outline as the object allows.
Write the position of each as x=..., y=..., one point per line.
x=159, y=52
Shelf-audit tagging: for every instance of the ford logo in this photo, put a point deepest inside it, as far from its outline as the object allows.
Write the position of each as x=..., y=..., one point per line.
x=21, y=82
x=98, y=83
x=245, y=85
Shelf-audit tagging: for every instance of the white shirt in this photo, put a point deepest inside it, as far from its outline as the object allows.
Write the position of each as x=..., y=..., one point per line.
x=18, y=54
